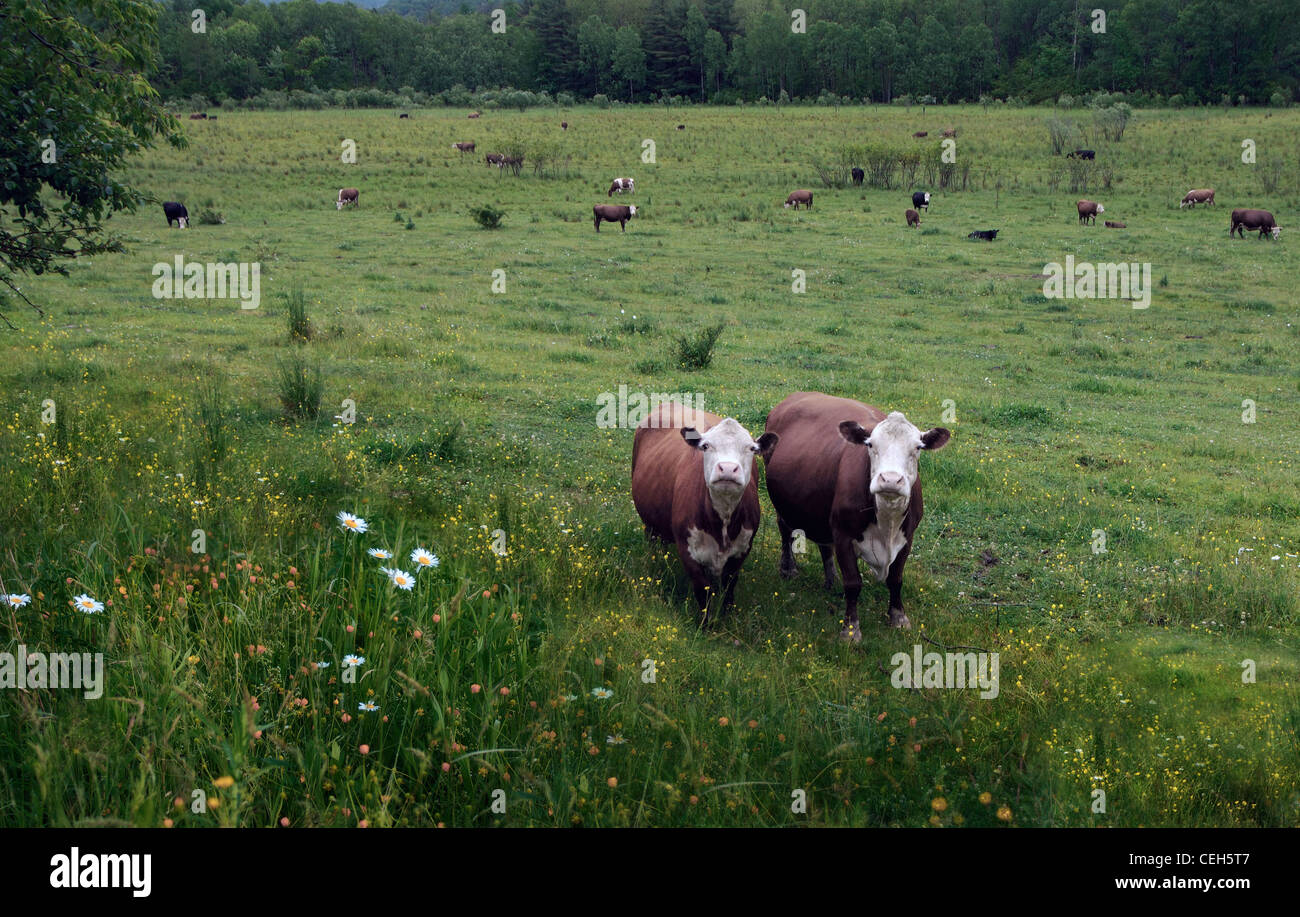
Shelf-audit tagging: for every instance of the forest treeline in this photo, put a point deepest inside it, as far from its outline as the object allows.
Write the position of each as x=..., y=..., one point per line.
x=1155, y=51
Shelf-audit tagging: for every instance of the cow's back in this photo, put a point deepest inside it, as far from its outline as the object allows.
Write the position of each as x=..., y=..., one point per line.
x=805, y=466
x=664, y=466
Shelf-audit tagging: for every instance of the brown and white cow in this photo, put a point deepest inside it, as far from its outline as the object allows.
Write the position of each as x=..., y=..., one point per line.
x=1197, y=196
x=613, y=213
x=693, y=485
x=494, y=159
x=950, y=132
x=1088, y=210
x=474, y=114
x=347, y=196
x=846, y=475
x=620, y=185
x=464, y=147
x=913, y=218
x=1244, y=218
x=799, y=197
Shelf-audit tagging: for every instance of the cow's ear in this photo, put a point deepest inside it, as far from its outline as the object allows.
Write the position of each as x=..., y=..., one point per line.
x=766, y=443
x=935, y=439
x=854, y=432
x=692, y=437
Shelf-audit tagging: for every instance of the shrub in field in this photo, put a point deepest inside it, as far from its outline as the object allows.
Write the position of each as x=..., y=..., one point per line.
x=695, y=351
x=1060, y=131
x=600, y=100
x=300, y=328
x=208, y=217
x=487, y=216
x=1110, y=122
x=300, y=386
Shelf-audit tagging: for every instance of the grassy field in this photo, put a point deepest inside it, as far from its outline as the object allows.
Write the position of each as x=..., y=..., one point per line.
x=476, y=413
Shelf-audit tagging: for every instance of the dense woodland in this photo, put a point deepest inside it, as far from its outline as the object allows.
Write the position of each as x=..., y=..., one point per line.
x=1157, y=51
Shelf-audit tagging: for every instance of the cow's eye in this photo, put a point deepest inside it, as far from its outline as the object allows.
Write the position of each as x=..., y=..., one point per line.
x=704, y=447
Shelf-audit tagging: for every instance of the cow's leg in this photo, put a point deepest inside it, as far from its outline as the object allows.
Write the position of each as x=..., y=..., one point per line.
x=597, y=221
x=701, y=582
x=789, y=567
x=623, y=225
x=848, y=561
x=730, y=575
x=897, y=617
x=828, y=565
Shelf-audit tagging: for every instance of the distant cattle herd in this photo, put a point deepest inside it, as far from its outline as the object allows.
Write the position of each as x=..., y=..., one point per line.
x=1242, y=219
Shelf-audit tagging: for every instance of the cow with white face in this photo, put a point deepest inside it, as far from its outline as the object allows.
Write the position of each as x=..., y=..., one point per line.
x=847, y=476
x=693, y=485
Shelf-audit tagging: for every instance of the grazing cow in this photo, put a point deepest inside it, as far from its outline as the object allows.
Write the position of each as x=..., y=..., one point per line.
x=199, y=116
x=1088, y=210
x=1082, y=154
x=1244, y=218
x=950, y=132
x=564, y=125
x=620, y=185
x=212, y=117
x=403, y=115
x=983, y=235
x=846, y=475
x=1115, y=224
x=858, y=175
x=494, y=159
x=681, y=127
x=613, y=213
x=1197, y=196
x=799, y=197
x=348, y=196
x=177, y=212
x=921, y=200
x=466, y=146
x=474, y=114
x=913, y=218
x=921, y=134
x=693, y=485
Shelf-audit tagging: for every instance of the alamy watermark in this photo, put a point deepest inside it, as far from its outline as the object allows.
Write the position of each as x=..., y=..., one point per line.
x=946, y=670
x=624, y=409
x=1085, y=280
x=214, y=280
x=27, y=671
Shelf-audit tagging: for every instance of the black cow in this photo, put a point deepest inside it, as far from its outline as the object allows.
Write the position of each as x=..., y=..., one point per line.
x=858, y=175
x=177, y=212
x=987, y=235
x=921, y=200
x=1082, y=154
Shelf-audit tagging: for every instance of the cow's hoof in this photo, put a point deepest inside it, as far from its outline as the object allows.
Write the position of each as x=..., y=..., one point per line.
x=789, y=572
x=851, y=633
x=899, y=619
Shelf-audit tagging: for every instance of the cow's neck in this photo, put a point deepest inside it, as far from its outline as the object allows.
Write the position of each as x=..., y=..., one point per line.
x=883, y=537
x=724, y=504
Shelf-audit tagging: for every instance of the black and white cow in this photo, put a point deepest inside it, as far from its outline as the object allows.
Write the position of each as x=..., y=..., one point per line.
x=921, y=200
x=177, y=212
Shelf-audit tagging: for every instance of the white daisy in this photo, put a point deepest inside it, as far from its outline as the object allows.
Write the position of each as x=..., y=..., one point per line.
x=423, y=558
x=399, y=578
x=602, y=693
x=16, y=600
x=380, y=554
x=353, y=660
x=368, y=706
x=323, y=665
x=351, y=523
x=615, y=740
x=88, y=605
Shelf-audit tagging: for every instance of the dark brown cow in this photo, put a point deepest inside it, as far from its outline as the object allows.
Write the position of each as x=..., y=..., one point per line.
x=913, y=218
x=846, y=475
x=466, y=146
x=1197, y=196
x=693, y=486
x=613, y=213
x=564, y=125
x=921, y=134
x=1088, y=210
x=1115, y=224
x=348, y=196
x=950, y=132
x=799, y=197
x=1244, y=218
x=198, y=116
x=474, y=114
